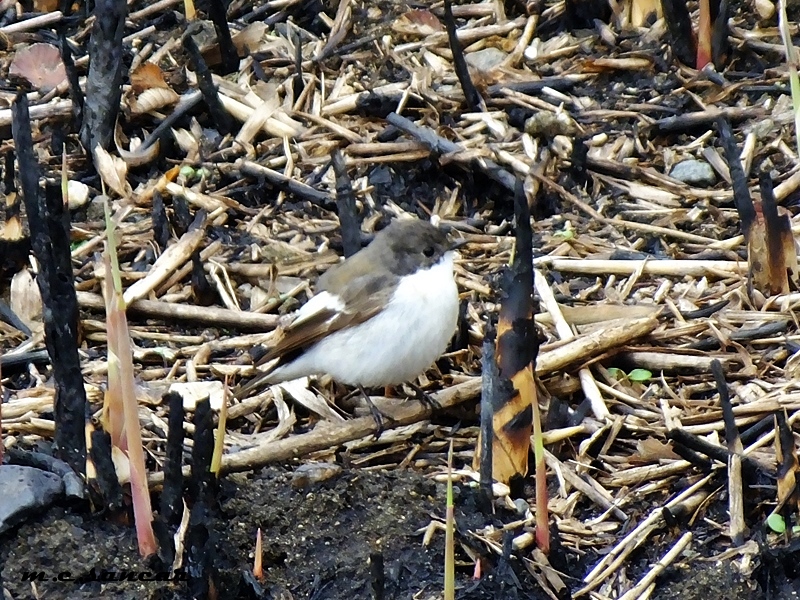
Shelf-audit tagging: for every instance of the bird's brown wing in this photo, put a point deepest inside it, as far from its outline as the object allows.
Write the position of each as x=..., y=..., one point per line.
x=362, y=299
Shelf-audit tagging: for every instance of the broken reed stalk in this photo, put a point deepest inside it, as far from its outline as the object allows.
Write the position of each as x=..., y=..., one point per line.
x=677, y=549
x=320, y=439
x=771, y=255
x=120, y=360
x=735, y=449
x=513, y=391
x=219, y=434
x=787, y=481
x=258, y=559
x=782, y=269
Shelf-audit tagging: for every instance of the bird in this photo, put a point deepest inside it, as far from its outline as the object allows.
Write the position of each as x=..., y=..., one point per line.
x=379, y=318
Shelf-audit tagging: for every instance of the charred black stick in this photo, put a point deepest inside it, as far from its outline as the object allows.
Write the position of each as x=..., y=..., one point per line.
x=50, y=240
x=105, y=474
x=735, y=487
x=187, y=102
x=222, y=120
x=297, y=80
x=689, y=121
x=441, y=145
x=160, y=221
x=299, y=189
x=489, y=388
x=104, y=81
x=731, y=431
x=679, y=25
x=741, y=193
x=720, y=45
x=171, y=506
x=346, y=205
x=201, y=480
x=474, y=100
x=72, y=77
x=230, y=58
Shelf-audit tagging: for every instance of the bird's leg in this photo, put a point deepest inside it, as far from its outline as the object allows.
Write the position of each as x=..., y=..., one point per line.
x=426, y=400
x=377, y=415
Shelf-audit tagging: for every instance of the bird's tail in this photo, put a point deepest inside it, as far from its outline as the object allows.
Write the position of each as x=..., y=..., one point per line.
x=256, y=384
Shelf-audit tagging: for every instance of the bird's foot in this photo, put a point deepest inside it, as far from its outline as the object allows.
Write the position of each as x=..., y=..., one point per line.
x=425, y=399
x=377, y=415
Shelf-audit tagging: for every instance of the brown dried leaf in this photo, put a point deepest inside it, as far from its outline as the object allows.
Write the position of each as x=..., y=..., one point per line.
x=631, y=63
x=45, y=6
x=41, y=65
x=250, y=38
x=147, y=76
x=113, y=171
x=419, y=23
x=650, y=450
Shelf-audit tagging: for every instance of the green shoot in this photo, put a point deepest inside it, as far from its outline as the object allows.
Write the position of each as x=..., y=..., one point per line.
x=449, y=536
x=792, y=63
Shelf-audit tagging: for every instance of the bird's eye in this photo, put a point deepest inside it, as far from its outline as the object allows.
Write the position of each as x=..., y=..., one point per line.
x=428, y=251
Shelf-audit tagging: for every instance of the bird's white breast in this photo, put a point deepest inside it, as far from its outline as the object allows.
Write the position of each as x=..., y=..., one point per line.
x=398, y=343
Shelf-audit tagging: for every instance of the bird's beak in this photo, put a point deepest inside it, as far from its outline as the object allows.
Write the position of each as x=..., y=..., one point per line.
x=457, y=244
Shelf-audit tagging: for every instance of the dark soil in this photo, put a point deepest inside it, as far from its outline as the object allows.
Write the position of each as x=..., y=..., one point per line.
x=317, y=543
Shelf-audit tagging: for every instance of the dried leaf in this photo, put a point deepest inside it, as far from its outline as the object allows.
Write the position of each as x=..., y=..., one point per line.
x=113, y=171
x=643, y=11
x=650, y=450
x=249, y=38
x=25, y=300
x=418, y=23
x=45, y=6
x=147, y=76
x=122, y=465
x=153, y=99
x=194, y=391
x=41, y=65
x=632, y=63
x=187, y=142
x=136, y=156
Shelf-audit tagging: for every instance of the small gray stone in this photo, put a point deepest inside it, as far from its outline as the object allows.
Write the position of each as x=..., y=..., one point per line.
x=694, y=172
x=486, y=59
x=25, y=490
x=522, y=506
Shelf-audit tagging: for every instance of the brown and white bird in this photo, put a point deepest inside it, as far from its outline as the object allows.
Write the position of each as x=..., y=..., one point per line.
x=379, y=318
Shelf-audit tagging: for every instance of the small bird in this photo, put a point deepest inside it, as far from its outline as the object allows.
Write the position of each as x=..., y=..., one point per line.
x=379, y=318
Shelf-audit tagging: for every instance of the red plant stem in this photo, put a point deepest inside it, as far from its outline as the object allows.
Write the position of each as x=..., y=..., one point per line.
x=704, y=35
